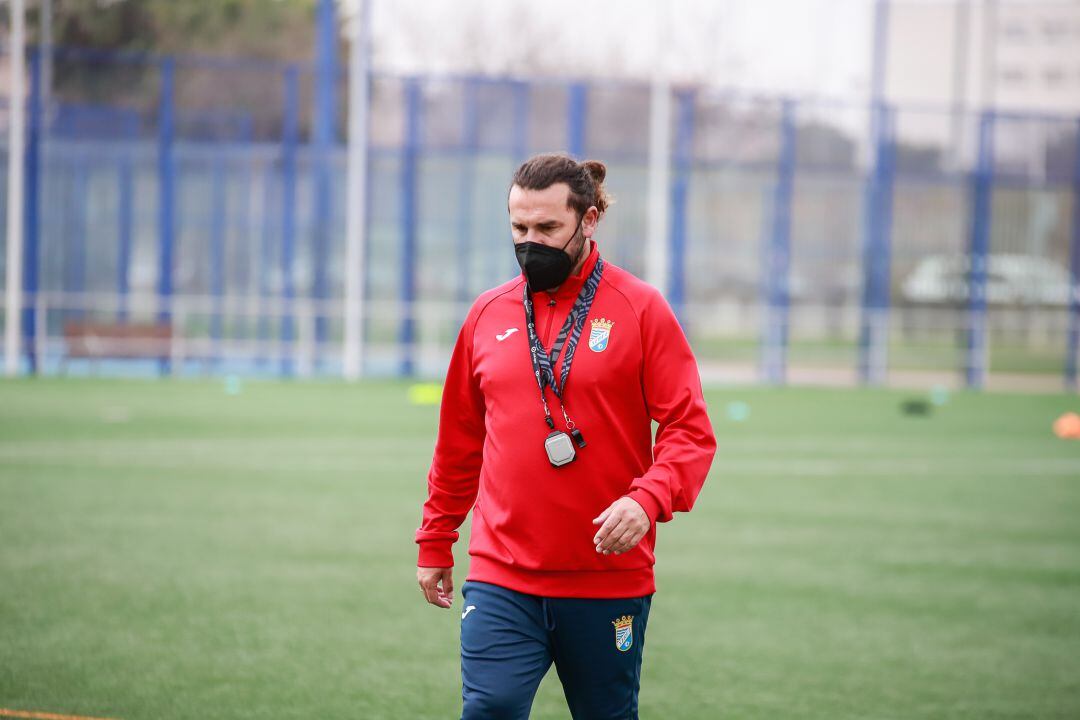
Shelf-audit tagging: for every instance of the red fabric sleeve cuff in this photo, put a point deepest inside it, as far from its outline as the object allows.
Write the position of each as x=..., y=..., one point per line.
x=435, y=553
x=647, y=502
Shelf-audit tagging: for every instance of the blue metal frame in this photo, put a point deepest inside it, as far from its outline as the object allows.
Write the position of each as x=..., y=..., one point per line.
x=218, y=209
x=31, y=204
x=266, y=263
x=409, y=204
x=882, y=267
x=289, y=138
x=522, y=112
x=682, y=162
x=577, y=101
x=125, y=222
x=1074, y=276
x=466, y=181
x=325, y=116
x=876, y=250
x=879, y=50
x=777, y=264
x=80, y=174
x=167, y=194
x=979, y=254
x=75, y=258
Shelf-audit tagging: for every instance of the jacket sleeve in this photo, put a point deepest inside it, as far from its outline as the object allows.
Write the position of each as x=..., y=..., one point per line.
x=685, y=443
x=454, y=477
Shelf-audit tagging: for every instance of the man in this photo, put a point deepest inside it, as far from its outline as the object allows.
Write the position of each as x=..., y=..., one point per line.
x=561, y=466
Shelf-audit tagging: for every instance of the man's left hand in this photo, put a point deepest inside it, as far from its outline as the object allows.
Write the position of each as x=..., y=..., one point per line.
x=624, y=524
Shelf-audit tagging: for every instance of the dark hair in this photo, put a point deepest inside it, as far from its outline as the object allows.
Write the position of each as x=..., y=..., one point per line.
x=586, y=179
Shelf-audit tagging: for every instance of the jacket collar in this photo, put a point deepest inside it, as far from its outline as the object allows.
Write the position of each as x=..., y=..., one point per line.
x=572, y=285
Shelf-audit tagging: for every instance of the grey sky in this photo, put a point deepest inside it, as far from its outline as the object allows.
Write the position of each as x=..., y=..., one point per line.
x=797, y=46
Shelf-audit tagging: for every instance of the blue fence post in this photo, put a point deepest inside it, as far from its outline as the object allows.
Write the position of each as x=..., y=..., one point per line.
x=75, y=262
x=680, y=192
x=1074, y=276
x=883, y=265
x=325, y=116
x=289, y=137
x=31, y=207
x=978, y=254
x=871, y=206
x=266, y=262
x=409, y=206
x=217, y=248
x=522, y=110
x=876, y=249
x=576, y=109
x=125, y=221
x=774, y=341
x=466, y=180
x=167, y=195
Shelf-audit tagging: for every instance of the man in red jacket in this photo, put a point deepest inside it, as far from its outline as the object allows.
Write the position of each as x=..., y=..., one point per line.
x=560, y=468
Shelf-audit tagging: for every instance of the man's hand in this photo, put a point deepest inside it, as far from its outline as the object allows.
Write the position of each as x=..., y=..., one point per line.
x=436, y=593
x=624, y=524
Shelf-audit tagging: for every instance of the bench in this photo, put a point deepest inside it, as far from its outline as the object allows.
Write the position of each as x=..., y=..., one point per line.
x=97, y=340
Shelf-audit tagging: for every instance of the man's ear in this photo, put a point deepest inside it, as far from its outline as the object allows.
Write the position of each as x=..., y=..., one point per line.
x=589, y=220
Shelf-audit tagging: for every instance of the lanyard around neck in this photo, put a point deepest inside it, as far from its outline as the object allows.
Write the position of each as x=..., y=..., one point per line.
x=543, y=362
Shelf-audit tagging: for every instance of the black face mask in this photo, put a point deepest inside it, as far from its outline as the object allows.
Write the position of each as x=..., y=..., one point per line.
x=545, y=266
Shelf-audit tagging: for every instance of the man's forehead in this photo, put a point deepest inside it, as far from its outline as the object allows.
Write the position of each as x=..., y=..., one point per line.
x=552, y=199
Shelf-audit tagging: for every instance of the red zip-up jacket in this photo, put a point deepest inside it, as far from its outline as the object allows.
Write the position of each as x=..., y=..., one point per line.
x=532, y=526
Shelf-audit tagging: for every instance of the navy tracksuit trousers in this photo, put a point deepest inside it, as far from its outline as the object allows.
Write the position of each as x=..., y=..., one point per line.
x=509, y=640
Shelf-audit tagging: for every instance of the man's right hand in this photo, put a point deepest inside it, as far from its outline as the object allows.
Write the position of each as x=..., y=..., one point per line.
x=437, y=584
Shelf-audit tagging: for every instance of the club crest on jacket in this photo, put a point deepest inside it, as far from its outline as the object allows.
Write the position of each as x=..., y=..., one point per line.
x=600, y=334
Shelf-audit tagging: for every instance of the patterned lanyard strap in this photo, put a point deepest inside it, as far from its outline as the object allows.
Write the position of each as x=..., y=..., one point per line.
x=569, y=335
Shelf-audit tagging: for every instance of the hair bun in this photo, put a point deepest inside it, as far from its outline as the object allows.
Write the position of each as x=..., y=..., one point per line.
x=596, y=169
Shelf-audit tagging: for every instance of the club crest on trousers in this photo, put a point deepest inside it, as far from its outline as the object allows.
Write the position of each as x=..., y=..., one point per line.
x=624, y=632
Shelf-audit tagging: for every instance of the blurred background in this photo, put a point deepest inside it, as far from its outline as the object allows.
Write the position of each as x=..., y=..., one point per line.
x=260, y=200
x=836, y=191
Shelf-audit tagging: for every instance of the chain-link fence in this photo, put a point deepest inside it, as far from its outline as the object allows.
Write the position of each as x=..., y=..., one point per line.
x=808, y=240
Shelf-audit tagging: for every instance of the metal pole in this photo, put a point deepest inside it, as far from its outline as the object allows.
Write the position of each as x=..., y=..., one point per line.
x=166, y=208
x=978, y=254
x=466, y=183
x=880, y=50
x=31, y=213
x=576, y=108
x=325, y=117
x=959, y=81
x=657, y=259
x=47, y=54
x=125, y=221
x=289, y=138
x=989, y=55
x=218, y=239
x=268, y=201
x=873, y=336
x=409, y=211
x=778, y=255
x=16, y=138
x=1074, y=277
x=356, y=202
x=680, y=198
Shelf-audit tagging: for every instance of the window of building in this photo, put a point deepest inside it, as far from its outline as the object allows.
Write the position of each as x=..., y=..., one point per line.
x=1012, y=75
x=1014, y=30
x=1054, y=76
x=1055, y=30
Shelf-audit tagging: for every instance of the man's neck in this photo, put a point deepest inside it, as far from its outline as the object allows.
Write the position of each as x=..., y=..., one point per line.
x=586, y=250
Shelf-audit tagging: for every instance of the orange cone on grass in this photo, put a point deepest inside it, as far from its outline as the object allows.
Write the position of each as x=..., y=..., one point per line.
x=1068, y=426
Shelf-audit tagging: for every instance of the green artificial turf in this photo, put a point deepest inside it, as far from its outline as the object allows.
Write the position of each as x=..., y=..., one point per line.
x=171, y=550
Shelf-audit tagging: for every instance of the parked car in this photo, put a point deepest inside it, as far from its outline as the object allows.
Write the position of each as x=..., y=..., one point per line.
x=1011, y=279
